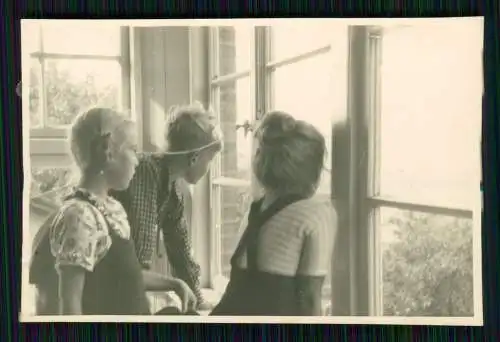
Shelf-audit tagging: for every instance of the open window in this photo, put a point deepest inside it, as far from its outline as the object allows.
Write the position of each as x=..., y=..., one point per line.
x=404, y=102
x=423, y=119
x=65, y=79
x=254, y=70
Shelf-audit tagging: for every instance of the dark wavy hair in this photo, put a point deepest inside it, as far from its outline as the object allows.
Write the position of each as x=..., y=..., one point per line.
x=290, y=155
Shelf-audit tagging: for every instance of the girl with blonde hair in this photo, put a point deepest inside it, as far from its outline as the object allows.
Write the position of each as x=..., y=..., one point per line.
x=85, y=261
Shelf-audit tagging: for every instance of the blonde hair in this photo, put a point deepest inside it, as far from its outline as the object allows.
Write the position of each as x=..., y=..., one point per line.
x=191, y=128
x=91, y=132
x=290, y=155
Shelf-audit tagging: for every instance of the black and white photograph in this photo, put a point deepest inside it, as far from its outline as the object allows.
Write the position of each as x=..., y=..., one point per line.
x=271, y=171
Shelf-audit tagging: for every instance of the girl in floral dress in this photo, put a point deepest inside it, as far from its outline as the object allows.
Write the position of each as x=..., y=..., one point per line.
x=86, y=262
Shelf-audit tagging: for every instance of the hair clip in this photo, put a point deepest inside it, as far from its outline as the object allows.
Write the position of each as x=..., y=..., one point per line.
x=171, y=114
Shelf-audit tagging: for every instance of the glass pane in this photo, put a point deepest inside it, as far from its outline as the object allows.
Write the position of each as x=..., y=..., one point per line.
x=73, y=86
x=234, y=49
x=235, y=203
x=427, y=264
x=315, y=90
x=290, y=39
x=432, y=111
x=81, y=38
x=49, y=182
x=34, y=99
x=235, y=100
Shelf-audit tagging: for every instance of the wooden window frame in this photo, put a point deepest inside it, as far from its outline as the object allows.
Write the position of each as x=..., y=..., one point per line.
x=261, y=82
x=216, y=180
x=48, y=145
x=368, y=266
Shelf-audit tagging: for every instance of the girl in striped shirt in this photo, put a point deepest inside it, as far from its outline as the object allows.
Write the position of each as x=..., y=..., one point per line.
x=282, y=259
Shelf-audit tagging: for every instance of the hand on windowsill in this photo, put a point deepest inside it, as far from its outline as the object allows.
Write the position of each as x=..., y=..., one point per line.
x=205, y=306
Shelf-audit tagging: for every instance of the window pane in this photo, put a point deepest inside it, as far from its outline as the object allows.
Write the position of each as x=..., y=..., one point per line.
x=49, y=182
x=234, y=49
x=81, y=38
x=431, y=111
x=235, y=203
x=235, y=100
x=427, y=264
x=34, y=99
x=73, y=86
x=292, y=39
x=315, y=90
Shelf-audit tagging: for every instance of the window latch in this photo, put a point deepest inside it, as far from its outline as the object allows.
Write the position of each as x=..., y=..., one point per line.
x=247, y=127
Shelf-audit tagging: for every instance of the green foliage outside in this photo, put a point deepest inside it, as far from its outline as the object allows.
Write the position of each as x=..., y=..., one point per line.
x=428, y=269
x=65, y=99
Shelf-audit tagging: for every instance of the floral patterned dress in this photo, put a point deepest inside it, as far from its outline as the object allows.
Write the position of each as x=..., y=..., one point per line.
x=94, y=234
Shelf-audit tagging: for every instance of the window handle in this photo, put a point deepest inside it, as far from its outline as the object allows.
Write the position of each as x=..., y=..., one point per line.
x=247, y=127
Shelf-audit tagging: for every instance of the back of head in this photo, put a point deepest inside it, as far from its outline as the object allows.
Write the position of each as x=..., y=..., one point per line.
x=191, y=128
x=290, y=155
x=90, y=130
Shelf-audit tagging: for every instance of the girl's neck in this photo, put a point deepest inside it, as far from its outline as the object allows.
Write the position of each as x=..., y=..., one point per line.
x=175, y=171
x=268, y=199
x=96, y=185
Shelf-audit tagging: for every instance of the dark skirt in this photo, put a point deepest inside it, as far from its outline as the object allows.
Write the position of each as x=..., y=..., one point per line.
x=257, y=293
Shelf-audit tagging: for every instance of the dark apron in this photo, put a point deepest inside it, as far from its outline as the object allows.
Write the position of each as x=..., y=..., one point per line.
x=252, y=292
x=115, y=287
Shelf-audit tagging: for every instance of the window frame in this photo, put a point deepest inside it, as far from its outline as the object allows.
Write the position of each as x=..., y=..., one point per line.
x=261, y=82
x=48, y=145
x=374, y=201
x=216, y=180
x=356, y=190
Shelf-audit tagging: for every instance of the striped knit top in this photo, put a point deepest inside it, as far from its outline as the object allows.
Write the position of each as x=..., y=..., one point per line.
x=298, y=240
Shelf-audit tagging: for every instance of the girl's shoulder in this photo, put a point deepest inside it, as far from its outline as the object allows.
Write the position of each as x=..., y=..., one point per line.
x=313, y=213
x=312, y=207
x=149, y=166
x=116, y=217
x=97, y=215
x=79, y=214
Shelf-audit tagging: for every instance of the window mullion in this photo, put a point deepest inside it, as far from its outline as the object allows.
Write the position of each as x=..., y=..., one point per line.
x=268, y=72
x=215, y=248
x=373, y=176
x=125, y=91
x=358, y=110
x=43, y=91
x=218, y=81
x=273, y=65
x=260, y=47
x=259, y=86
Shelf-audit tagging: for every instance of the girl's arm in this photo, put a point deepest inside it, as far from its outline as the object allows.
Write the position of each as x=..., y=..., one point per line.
x=315, y=262
x=142, y=210
x=309, y=278
x=74, y=243
x=71, y=282
x=178, y=244
x=159, y=282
